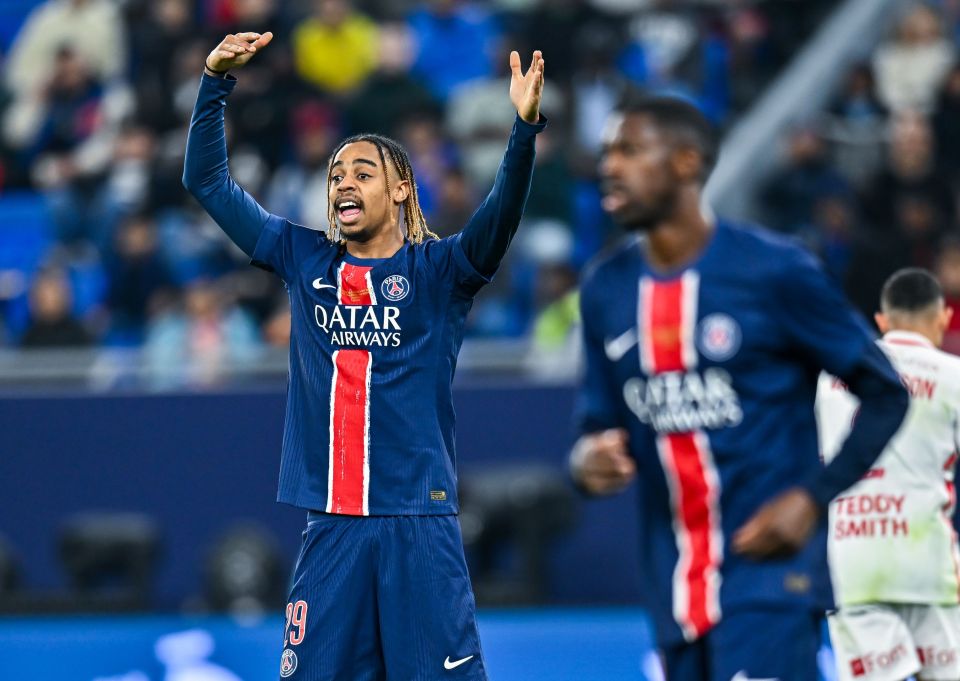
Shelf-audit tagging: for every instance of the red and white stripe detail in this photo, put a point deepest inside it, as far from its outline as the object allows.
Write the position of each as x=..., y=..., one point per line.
x=667, y=319
x=348, y=476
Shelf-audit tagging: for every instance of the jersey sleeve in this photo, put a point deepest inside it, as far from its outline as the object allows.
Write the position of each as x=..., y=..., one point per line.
x=448, y=262
x=816, y=318
x=283, y=245
x=598, y=398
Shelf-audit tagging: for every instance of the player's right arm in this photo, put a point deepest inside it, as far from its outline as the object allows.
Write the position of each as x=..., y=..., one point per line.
x=205, y=172
x=600, y=462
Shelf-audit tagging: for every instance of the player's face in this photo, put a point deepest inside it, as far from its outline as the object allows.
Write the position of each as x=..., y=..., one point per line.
x=638, y=180
x=358, y=191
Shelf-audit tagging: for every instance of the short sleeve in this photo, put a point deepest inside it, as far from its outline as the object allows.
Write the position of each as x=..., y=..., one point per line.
x=449, y=263
x=816, y=317
x=597, y=404
x=283, y=245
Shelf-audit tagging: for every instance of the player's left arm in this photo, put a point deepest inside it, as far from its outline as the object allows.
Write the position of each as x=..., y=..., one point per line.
x=487, y=235
x=822, y=326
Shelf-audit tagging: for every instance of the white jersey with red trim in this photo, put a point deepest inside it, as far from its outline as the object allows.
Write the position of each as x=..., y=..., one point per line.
x=712, y=371
x=891, y=537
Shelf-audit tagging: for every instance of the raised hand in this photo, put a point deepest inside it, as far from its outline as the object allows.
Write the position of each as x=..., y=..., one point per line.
x=526, y=89
x=236, y=50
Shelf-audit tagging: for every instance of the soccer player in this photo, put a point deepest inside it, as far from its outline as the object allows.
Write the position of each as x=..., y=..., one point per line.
x=703, y=343
x=892, y=549
x=378, y=306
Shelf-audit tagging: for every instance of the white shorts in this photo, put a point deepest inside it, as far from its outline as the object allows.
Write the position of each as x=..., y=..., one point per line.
x=889, y=642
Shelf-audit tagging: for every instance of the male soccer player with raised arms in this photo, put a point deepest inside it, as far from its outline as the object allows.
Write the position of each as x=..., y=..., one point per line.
x=703, y=343
x=892, y=548
x=381, y=588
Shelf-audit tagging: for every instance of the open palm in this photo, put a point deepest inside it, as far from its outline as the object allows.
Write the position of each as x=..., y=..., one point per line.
x=526, y=89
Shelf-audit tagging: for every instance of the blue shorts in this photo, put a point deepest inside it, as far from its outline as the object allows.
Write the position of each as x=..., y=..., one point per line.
x=752, y=643
x=381, y=597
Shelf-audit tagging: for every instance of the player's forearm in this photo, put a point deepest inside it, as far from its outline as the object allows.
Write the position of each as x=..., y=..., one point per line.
x=487, y=236
x=205, y=171
x=883, y=404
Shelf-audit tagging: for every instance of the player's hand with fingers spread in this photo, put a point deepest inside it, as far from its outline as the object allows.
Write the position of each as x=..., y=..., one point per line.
x=526, y=89
x=600, y=462
x=236, y=50
x=779, y=528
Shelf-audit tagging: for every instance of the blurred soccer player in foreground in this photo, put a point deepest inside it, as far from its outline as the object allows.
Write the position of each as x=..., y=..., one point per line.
x=893, y=553
x=703, y=343
x=381, y=586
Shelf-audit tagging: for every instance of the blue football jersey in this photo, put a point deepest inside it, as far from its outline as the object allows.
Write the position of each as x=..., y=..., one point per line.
x=370, y=421
x=712, y=370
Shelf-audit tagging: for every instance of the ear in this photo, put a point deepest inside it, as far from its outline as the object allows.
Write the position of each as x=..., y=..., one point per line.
x=687, y=164
x=883, y=323
x=943, y=319
x=401, y=191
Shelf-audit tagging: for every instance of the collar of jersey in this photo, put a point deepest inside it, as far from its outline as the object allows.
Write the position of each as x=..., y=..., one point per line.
x=906, y=338
x=373, y=262
x=669, y=275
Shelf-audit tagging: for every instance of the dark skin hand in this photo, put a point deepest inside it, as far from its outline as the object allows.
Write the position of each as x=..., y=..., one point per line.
x=779, y=528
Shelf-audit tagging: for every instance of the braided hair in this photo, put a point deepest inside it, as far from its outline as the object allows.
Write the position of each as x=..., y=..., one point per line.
x=417, y=229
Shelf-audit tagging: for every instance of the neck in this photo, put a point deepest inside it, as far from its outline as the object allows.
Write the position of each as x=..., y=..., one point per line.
x=927, y=329
x=384, y=244
x=681, y=238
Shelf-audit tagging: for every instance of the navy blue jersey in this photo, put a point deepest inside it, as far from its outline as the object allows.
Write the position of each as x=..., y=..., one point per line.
x=370, y=422
x=712, y=370
x=369, y=427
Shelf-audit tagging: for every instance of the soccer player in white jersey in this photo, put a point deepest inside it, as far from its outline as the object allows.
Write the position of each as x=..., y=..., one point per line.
x=892, y=547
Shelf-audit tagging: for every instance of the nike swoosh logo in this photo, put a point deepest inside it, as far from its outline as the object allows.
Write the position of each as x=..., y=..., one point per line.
x=447, y=664
x=317, y=285
x=742, y=676
x=616, y=348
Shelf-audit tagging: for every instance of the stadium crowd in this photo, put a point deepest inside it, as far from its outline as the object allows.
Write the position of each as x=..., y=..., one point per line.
x=101, y=245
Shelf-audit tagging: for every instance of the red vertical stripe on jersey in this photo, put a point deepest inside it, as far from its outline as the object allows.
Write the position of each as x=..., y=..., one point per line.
x=349, y=468
x=668, y=313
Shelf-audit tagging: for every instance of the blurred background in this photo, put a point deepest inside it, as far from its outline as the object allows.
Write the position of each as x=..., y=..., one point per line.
x=143, y=362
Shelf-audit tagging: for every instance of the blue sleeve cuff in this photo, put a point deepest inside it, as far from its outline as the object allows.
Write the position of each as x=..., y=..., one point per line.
x=224, y=85
x=529, y=129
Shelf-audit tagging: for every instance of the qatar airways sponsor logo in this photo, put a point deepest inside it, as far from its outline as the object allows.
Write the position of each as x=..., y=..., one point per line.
x=360, y=325
x=680, y=402
x=870, y=515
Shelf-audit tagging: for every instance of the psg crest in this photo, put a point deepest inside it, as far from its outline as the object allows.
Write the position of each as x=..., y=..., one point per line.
x=288, y=663
x=719, y=337
x=395, y=287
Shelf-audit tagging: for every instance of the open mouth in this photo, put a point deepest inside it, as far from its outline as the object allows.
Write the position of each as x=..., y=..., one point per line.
x=614, y=200
x=349, y=210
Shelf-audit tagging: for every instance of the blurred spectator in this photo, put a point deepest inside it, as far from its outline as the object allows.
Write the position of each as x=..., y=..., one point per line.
x=298, y=190
x=276, y=329
x=948, y=272
x=52, y=323
x=790, y=194
x=946, y=124
x=196, y=345
x=137, y=275
x=597, y=85
x=455, y=203
x=335, y=48
x=910, y=173
x=855, y=124
x=391, y=94
x=558, y=307
x=91, y=29
x=911, y=67
x=431, y=154
x=834, y=230
x=456, y=42
x=163, y=28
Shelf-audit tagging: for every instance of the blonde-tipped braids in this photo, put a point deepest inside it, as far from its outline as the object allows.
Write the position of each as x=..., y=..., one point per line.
x=416, y=223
